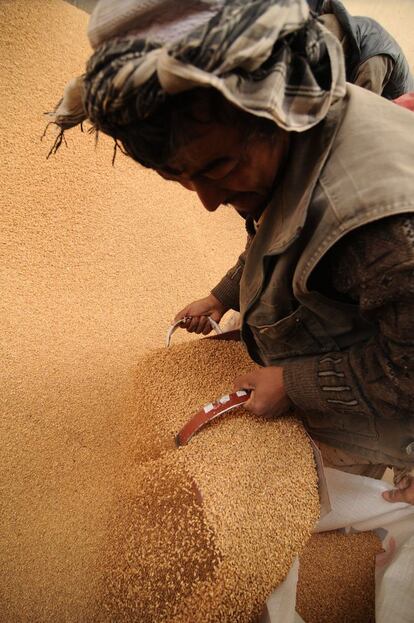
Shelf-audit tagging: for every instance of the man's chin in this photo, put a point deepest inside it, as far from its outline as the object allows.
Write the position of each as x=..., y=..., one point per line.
x=249, y=205
x=249, y=211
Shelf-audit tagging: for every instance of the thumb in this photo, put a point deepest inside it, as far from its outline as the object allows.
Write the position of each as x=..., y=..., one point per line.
x=181, y=314
x=245, y=381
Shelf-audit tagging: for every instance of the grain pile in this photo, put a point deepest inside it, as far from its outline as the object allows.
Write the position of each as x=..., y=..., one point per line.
x=205, y=532
x=164, y=383
x=95, y=261
x=337, y=578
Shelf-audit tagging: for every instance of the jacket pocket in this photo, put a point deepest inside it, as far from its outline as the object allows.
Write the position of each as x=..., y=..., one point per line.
x=296, y=335
x=350, y=427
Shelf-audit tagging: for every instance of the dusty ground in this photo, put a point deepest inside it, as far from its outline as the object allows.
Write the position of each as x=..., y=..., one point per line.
x=94, y=262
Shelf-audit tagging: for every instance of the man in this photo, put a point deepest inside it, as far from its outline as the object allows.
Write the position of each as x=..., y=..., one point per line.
x=246, y=104
x=373, y=58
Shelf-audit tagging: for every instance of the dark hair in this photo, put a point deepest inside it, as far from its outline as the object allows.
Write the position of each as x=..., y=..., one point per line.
x=152, y=141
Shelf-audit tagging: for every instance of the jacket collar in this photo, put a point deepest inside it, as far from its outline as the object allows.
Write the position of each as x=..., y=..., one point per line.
x=285, y=215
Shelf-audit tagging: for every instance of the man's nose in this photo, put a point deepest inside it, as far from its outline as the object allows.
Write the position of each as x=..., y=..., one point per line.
x=209, y=194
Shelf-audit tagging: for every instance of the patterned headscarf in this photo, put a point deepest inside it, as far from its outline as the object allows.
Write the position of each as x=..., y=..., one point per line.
x=268, y=57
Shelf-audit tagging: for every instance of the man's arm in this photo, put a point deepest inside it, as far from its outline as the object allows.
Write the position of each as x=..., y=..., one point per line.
x=375, y=267
x=374, y=73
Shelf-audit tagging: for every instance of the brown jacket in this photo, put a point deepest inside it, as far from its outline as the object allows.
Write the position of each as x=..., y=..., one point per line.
x=352, y=170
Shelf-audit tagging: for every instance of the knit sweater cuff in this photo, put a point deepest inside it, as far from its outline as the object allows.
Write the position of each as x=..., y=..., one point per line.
x=227, y=291
x=301, y=384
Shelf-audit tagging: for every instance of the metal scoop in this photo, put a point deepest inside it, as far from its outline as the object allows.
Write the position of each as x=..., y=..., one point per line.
x=177, y=324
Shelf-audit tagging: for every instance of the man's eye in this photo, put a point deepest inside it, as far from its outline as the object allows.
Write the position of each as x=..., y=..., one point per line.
x=167, y=175
x=220, y=169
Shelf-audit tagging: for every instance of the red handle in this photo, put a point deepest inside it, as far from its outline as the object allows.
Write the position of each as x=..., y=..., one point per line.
x=210, y=412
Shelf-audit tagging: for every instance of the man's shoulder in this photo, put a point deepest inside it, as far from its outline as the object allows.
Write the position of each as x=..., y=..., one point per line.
x=369, y=112
x=370, y=162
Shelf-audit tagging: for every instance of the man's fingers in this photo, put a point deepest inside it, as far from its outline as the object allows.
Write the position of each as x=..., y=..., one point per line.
x=207, y=328
x=257, y=407
x=254, y=405
x=184, y=320
x=249, y=404
x=244, y=382
x=181, y=314
x=203, y=325
x=193, y=323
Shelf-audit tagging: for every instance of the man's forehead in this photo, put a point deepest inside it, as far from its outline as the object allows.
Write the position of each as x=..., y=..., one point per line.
x=208, y=141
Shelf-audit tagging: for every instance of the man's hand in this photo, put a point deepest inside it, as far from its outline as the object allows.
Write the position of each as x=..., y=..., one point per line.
x=197, y=313
x=268, y=398
x=403, y=493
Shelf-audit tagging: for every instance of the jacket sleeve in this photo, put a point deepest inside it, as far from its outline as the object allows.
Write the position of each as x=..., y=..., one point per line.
x=375, y=267
x=374, y=73
x=228, y=289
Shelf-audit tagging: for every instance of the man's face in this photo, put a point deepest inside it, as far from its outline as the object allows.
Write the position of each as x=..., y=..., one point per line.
x=226, y=165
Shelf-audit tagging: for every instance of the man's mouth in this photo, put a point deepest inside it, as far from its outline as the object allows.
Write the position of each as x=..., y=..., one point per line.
x=248, y=203
x=230, y=201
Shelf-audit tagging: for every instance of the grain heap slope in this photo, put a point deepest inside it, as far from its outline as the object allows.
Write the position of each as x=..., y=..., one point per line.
x=203, y=533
